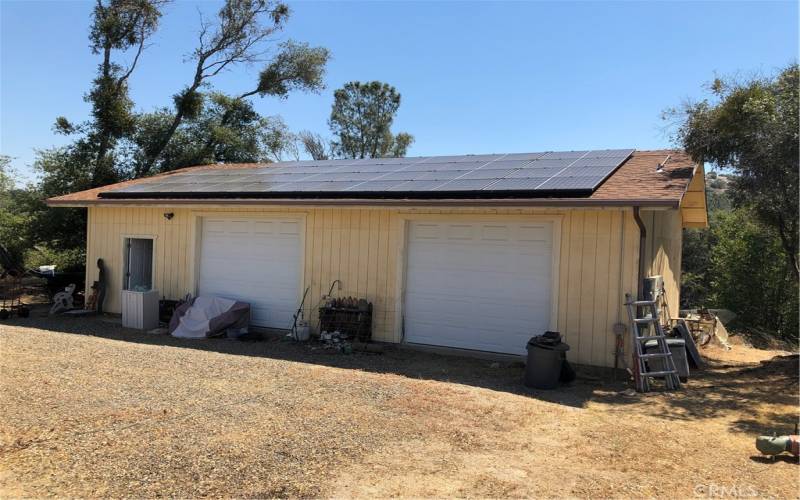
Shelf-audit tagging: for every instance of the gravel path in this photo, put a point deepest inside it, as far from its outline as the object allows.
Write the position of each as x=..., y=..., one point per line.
x=92, y=409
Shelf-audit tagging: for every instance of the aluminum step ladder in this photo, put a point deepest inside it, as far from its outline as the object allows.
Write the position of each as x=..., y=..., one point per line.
x=644, y=329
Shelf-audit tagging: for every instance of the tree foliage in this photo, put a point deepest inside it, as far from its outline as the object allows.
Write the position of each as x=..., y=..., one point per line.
x=225, y=129
x=361, y=121
x=317, y=147
x=237, y=36
x=752, y=128
x=200, y=125
x=26, y=228
x=749, y=274
x=118, y=27
x=738, y=263
x=12, y=221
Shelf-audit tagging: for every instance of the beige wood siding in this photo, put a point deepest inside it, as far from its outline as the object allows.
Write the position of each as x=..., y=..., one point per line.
x=663, y=252
x=364, y=248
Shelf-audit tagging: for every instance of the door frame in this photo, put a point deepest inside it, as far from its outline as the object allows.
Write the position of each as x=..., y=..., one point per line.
x=196, y=236
x=153, y=258
x=555, y=255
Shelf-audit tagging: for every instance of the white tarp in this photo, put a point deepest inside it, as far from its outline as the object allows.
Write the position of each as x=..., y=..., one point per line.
x=209, y=315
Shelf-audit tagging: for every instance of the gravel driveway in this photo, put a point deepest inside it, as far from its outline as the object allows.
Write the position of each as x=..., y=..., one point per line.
x=92, y=409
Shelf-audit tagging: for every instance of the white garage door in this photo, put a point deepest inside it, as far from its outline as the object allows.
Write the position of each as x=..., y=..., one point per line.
x=255, y=261
x=483, y=286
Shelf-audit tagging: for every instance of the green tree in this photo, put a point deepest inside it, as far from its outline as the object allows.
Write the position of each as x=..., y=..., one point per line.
x=118, y=27
x=61, y=170
x=238, y=36
x=6, y=176
x=361, y=121
x=13, y=222
x=752, y=128
x=738, y=263
x=202, y=126
x=227, y=129
x=26, y=227
x=748, y=274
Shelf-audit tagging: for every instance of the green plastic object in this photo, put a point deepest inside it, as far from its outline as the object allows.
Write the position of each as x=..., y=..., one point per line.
x=773, y=445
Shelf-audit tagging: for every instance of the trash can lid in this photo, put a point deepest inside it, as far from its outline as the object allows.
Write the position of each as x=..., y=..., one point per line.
x=546, y=338
x=561, y=346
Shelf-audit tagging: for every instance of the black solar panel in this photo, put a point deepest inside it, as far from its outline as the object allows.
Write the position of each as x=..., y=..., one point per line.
x=570, y=183
x=548, y=173
x=518, y=184
x=524, y=173
x=582, y=172
x=444, y=175
x=417, y=186
x=488, y=174
x=371, y=186
x=466, y=185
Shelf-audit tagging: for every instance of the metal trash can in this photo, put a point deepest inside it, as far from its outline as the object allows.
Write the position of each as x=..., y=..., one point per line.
x=678, y=349
x=545, y=359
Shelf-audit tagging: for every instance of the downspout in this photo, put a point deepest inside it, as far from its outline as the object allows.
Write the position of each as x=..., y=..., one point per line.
x=642, y=243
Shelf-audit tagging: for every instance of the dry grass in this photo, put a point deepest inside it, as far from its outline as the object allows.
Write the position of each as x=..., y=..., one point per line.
x=112, y=412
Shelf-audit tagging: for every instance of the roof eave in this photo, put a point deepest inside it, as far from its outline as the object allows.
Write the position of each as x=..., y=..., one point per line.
x=499, y=202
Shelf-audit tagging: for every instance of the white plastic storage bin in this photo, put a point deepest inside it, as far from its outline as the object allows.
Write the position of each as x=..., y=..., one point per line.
x=140, y=309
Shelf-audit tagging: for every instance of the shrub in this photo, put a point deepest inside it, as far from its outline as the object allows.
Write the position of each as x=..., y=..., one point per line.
x=67, y=260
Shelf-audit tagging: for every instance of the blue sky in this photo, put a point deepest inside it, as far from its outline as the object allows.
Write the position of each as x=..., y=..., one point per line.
x=475, y=77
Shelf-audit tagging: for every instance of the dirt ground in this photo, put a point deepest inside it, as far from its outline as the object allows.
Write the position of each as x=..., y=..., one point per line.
x=91, y=409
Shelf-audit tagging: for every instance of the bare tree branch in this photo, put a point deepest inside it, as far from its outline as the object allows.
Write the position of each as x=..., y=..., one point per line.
x=241, y=28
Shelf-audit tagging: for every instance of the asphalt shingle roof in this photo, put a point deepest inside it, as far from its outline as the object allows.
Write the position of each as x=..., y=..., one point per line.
x=660, y=177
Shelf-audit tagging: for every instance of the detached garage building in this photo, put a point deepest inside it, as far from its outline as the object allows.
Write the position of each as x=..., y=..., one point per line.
x=471, y=252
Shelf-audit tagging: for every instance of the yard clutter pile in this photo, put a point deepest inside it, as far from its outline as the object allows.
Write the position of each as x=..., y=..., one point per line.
x=344, y=323
x=11, y=273
x=203, y=317
x=706, y=325
x=349, y=317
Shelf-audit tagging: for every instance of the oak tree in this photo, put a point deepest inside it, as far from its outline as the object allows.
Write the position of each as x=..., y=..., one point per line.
x=751, y=127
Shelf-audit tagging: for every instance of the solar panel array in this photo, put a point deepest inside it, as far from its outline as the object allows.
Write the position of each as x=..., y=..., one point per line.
x=573, y=171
